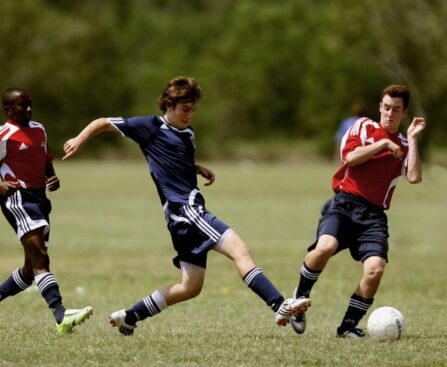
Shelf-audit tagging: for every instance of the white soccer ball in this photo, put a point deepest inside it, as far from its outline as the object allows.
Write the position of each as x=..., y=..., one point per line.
x=386, y=323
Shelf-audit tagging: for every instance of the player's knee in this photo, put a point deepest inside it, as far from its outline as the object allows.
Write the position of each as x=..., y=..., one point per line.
x=192, y=290
x=374, y=274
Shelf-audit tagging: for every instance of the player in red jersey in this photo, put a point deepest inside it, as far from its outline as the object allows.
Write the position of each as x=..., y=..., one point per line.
x=374, y=155
x=26, y=171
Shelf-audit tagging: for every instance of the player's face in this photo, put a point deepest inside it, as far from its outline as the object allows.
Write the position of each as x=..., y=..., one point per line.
x=20, y=108
x=181, y=115
x=391, y=113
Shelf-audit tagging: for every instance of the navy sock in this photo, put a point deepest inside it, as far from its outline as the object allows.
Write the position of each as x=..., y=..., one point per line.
x=261, y=285
x=49, y=289
x=14, y=284
x=149, y=306
x=307, y=280
x=358, y=307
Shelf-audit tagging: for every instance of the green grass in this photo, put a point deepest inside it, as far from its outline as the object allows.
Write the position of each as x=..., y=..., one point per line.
x=109, y=238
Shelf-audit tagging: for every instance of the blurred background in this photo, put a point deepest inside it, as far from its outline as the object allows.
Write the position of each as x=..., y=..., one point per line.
x=278, y=76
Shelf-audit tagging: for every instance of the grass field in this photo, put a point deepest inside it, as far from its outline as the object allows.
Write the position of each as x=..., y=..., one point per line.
x=109, y=248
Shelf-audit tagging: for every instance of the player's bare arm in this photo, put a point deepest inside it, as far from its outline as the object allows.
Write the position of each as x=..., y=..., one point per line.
x=414, y=166
x=361, y=154
x=206, y=173
x=95, y=127
x=53, y=182
x=7, y=188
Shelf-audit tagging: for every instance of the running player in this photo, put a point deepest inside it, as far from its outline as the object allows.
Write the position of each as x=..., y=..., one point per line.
x=27, y=170
x=374, y=155
x=168, y=143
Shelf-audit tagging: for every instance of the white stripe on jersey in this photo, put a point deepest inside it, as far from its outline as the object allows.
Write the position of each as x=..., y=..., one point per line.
x=3, y=141
x=392, y=184
x=116, y=120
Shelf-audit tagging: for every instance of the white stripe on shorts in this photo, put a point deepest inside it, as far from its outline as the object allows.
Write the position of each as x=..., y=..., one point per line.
x=24, y=222
x=201, y=223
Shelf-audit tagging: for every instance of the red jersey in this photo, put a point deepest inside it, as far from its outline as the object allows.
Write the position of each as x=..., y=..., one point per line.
x=375, y=179
x=24, y=154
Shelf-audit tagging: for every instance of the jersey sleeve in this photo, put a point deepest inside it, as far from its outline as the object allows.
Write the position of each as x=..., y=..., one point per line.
x=139, y=129
x=358, y=135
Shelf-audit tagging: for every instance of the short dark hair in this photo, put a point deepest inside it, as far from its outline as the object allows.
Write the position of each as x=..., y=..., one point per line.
x=8, y=93
x=179, y=90
x=398, y=91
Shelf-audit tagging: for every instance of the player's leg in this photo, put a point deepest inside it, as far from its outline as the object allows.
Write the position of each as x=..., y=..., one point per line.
x=36, y=251
x=314, y=263
x=18, y=281
x=235, y=249
x=189, y=286
x=363, y=297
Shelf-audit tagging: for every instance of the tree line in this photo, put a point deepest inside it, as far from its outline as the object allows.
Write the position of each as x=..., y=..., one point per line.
x=272, y=71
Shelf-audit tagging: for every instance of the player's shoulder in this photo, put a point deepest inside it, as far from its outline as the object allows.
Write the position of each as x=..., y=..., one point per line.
x=363, y=124
x=36, y=125
x=137, y=120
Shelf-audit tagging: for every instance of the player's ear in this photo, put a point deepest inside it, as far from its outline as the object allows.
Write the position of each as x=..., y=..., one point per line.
x=406, y=111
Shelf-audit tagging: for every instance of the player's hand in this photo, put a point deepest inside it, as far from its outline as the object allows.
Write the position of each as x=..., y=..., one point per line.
x=71, y=147
x=53, y=183
x=416, y=127
x=8, y=187
x=395, y=150
x=206, y=173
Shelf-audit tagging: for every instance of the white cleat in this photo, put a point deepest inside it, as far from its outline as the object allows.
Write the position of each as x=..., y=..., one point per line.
x=289, y=308
x=118, y=319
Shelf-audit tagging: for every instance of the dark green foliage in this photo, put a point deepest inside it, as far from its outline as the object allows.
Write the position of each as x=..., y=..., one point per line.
x=283, y=70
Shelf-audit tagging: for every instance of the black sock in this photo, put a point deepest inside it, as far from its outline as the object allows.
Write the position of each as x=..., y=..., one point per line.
x=358, y=307
x=49, y=289
x=308, y=278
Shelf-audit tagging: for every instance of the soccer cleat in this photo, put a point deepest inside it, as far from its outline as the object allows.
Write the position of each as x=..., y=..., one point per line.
x=118, y=319
x=352, y=333
x=298, y=322
x=289, y=308
x=72, y=318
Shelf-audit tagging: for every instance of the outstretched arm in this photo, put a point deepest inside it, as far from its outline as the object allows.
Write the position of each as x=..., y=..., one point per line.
x=93, y=128
x=414, y=166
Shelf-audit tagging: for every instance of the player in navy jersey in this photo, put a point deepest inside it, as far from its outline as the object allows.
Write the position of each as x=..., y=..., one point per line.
x=374, y=155
x=26, y=171
x=168, y=143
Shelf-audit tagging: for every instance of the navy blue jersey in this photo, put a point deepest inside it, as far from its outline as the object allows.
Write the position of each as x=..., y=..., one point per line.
x=169, y=152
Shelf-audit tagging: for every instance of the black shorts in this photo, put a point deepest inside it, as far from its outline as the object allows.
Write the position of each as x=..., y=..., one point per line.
x=358, y=225
x=194, y=231
x=26, y=210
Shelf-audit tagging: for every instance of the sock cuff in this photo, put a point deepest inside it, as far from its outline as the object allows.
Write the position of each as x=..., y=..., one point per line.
x=360, y=303
x=309, y=273
x=159, y=300
x=45, y=281
x=251, y=274
x=20, y=280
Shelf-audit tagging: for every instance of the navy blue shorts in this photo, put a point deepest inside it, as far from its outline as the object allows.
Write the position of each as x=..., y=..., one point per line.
x=194, y=231
x=358, y=225
x=26, y=210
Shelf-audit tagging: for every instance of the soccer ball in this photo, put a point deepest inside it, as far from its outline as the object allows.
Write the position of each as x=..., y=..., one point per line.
x=386, y=323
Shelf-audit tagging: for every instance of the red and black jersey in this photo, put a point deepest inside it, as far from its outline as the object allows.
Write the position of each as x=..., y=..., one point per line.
x=375, y=179
x=24, y=154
